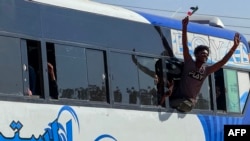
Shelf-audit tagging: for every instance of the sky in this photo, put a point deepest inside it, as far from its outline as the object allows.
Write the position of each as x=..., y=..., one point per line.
x=235, y=14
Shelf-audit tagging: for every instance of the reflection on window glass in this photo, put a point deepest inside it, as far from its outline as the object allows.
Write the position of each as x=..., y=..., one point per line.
x=96, y=75
x=146, y=69
x=244, y=86
x=124, y=79
x=71, y=72
x=203, y=99
x=11, y=68
x=232, y=91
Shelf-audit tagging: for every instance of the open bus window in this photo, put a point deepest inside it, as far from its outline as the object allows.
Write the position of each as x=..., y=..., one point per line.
x=232, y=89
x=220, y=90
x=35, y=67
x=52, y=75
x=168, y=80
x=10, y=61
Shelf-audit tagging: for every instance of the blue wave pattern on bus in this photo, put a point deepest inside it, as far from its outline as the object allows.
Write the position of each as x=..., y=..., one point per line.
x=243, y=100
x=105, y=136
x=213, y=126
x=52, y=133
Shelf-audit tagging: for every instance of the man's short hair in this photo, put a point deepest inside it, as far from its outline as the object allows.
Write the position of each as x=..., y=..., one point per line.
x=200, y=48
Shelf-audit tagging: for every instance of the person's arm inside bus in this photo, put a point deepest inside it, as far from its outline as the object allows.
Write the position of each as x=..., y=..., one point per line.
x=224, y=60
x=53, y=88
x=144, y=69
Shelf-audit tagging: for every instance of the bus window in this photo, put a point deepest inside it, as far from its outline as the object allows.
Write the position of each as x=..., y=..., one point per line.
x=52, y=75
x=220, y=90
x=124, y=81
x=203, y=98
x=35, y=67
x=244, y=86
x=146, y=69
x=11, y=81
x=232, y=90
x=71, y=70
x=97, y=75
x=81, y=73
x=167, y=82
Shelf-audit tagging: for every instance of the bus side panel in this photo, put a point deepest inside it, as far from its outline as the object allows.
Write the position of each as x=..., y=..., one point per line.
x=22, y=17
x=82, y=27
x=82, y=123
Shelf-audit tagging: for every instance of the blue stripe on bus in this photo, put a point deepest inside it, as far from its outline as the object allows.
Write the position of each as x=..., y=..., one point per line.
x=193, y=27
x=216, y=133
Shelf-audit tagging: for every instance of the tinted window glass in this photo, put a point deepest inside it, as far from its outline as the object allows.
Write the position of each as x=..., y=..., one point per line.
x=11, y=67
x=203, y=99
x=125, y=85
x=71, y=72
x=146, y=69
x=96, y=75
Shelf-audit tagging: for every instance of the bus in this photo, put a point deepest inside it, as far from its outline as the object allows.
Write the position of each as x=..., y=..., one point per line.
x=103, y=58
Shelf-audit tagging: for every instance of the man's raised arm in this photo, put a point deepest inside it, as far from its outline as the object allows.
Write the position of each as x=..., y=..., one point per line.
x=224, y=60
x=186, y=54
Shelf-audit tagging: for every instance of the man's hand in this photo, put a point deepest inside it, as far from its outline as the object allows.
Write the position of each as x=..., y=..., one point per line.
x=236, y=39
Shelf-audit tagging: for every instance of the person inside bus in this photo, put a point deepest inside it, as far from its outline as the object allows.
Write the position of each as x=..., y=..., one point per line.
x=173, y=66
x=162, y=91
x=163, y=87
x=53, y=88
x=195, y=72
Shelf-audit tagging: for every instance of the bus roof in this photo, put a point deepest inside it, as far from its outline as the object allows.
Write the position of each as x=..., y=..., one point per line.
x=97, y=8
x=193, y=27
